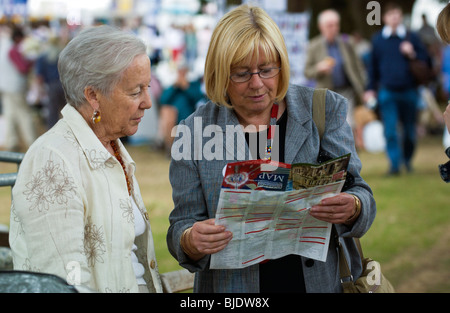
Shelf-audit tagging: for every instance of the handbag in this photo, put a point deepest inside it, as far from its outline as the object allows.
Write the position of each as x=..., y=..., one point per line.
x=422, y=71
x=372, y=279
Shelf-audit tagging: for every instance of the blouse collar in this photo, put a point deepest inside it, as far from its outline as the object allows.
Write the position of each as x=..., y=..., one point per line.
x=96, y=154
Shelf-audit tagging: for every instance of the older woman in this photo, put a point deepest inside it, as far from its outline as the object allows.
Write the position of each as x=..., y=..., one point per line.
x=247, y=80
x=77, y=211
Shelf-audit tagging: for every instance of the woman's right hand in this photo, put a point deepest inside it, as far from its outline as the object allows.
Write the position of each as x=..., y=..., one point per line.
x=206, y=238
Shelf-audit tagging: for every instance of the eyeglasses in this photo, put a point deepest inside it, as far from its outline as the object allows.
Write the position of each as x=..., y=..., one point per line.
x=243, y=77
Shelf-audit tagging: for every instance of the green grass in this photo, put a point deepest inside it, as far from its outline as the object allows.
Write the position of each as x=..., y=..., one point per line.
x=409, y=236
x=410, y=210
x=412, y=226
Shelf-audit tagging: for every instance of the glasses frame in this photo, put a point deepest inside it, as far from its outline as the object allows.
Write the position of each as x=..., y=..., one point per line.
x=254, y=73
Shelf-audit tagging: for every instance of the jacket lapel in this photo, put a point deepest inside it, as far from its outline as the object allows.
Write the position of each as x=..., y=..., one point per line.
x=233, y=135
x=96, y=154
x=296, y=130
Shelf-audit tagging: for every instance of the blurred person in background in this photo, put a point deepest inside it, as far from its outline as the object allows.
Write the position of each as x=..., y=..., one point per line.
x=430, y=115
x=392, y=83
x=14, y=70
x=333, y=63
x=76, y=201
x=177, y=102
x=47, y=76
x=190, y=49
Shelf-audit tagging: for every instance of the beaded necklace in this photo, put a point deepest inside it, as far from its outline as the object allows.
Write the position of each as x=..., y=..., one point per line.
x=119, y=158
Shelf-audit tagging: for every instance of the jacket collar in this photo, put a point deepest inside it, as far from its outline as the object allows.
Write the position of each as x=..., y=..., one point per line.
x=95, y=153
x=297, y=103
x=299, y=114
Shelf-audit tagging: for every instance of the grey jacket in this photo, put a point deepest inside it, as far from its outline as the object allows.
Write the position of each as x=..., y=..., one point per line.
x=196, y=186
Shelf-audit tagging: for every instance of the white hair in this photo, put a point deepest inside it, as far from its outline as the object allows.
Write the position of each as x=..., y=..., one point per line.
x=326, y=15
x=96, y=57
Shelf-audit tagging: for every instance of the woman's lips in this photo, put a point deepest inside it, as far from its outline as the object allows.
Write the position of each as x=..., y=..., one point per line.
x=257, y=98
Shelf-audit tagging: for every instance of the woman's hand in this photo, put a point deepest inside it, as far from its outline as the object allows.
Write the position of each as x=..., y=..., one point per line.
x=205, y=238
x=337, y=210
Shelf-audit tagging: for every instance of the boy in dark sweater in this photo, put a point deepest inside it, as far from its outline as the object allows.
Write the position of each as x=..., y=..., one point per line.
x=391, y=81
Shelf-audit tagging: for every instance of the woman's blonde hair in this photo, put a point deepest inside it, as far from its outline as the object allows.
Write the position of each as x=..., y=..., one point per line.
x=238, y=37
x=443, y=24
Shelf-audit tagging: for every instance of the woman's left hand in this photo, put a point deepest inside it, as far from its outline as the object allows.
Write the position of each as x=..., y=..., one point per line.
x=336, y=210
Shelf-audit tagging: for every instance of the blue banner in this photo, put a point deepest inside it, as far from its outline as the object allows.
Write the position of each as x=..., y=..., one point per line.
x=13, y=7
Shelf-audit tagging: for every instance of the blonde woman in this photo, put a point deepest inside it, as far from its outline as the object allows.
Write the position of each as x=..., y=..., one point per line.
x=247, y=80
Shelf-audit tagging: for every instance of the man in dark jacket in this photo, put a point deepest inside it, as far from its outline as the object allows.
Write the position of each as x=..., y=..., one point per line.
x=391, y=81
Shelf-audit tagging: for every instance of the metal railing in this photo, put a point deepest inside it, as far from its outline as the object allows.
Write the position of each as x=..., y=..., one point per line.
x=9, y=179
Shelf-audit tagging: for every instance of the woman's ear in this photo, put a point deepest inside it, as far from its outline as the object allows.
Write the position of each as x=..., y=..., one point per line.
x=91, y=96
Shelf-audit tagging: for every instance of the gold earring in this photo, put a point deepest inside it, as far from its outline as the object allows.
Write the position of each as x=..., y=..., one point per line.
x=96, y=117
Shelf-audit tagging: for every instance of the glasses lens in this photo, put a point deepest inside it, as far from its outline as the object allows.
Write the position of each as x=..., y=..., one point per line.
x=269, y=73
x=245, y=76
x=241, y=77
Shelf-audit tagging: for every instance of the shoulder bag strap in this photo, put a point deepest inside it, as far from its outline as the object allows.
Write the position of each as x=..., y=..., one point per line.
x=319, y=99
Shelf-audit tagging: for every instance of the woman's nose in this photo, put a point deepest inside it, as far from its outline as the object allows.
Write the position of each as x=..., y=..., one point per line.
x=255, y=81
x=147, y=101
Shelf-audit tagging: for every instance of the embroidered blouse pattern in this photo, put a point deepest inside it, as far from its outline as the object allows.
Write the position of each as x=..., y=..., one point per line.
x=125, y=205
x=68, y=207
x=49, y=185
x=94, y=243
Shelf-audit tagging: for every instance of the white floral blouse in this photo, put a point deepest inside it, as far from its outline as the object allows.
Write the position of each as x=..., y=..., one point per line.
x=71, y=214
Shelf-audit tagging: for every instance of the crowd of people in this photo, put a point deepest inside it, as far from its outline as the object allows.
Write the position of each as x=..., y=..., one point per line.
x=34, y=90
x=340, y=62
x=77, y=199
x=377, y=79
